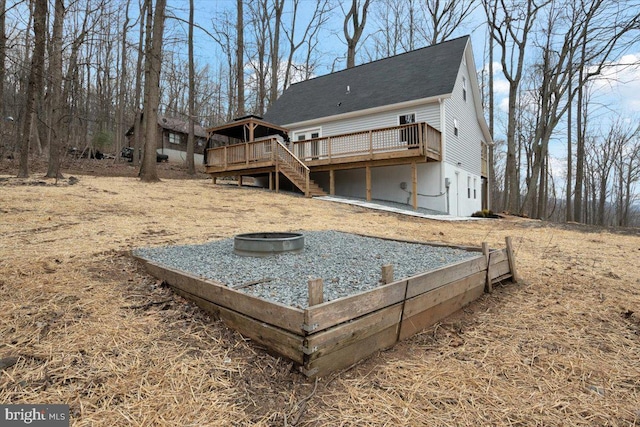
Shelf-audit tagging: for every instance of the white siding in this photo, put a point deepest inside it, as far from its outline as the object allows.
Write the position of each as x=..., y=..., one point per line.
x=429, y=113
x=180, y=156
x=464, y=150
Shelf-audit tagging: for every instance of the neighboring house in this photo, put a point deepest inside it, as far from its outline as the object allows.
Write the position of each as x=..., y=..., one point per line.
x=172, y=139
x=408, y=129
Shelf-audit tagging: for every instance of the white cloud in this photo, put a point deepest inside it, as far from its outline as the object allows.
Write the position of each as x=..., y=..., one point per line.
x=619, y=83
x=501, y=87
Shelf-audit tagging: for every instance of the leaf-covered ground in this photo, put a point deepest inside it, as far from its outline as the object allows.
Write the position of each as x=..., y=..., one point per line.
x=82, y=324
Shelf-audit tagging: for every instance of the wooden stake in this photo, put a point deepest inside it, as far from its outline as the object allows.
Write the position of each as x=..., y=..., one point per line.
x=488, y=287
x=315, y=292
x=512, y=260
x=387, y=274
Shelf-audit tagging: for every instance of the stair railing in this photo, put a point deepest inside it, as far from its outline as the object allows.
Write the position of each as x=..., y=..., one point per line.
x=282, y=154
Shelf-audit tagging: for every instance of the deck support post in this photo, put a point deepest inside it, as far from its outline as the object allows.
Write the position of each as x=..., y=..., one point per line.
x=270, y=180
x=368, y=179
x=315, y=292
x=387, y=274
x=332, y=182
x=488, y=286
x=414, y=182
x=239, y=180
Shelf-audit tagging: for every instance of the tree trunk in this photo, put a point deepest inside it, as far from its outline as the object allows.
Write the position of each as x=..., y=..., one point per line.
x=149, y=172
x=353, y=17
x=275, y=52
x=3, y=55
x=240, y=58
x=55, y=70
x=191, y=168
x=120, y=124
x=34, y=87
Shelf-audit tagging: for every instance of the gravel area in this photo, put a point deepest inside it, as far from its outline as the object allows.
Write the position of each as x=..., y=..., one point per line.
x=348, y=264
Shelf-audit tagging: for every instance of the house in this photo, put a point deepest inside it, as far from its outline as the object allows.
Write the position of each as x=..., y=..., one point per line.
x=407, y=129
x=172, y=139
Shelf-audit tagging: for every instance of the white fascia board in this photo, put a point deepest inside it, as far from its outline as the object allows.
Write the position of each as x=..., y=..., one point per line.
x=368, y=111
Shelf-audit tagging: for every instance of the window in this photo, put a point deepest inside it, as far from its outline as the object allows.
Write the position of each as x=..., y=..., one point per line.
x=468, y=187
x=174, y=138
x=409, y=134
x=464, y=89
x=314, y=147
x=475, y=194
x=455, y=127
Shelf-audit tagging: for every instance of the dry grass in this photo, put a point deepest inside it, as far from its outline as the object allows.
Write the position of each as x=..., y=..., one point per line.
x=81, y=324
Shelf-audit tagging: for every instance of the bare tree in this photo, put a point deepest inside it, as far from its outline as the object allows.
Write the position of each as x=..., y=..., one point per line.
x=240, y=58
x=445, y=17
x=137, y=122
x=627, y=170
x=153, y=57
x=278, y=7
x=223, y=34
x=510, y=26
x=55, y=92
x=352, y=18
x=122, y=90
x=3, y=54
x=34, y=87
x=191, y=169
x=318, y=19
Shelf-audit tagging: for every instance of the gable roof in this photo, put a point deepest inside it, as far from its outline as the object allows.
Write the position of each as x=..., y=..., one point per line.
x=419, y=74
x=180, y=126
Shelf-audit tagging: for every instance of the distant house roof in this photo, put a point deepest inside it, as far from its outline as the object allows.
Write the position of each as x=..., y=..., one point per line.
x=419, y=74
x=176, y=125
x=179, y=125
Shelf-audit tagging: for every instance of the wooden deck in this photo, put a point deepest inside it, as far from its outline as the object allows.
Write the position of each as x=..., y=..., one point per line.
x=417, y=142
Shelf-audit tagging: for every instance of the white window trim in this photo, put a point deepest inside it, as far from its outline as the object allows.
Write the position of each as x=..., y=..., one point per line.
x=464, y=89
x=306, y=132
x=456, y=127
x=414, y=114
x=176, y=140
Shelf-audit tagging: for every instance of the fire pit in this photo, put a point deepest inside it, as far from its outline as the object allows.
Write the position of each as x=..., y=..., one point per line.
x=263, y=244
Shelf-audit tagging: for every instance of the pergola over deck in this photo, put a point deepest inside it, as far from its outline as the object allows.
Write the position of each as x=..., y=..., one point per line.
x=247, y=129
x=255, y=149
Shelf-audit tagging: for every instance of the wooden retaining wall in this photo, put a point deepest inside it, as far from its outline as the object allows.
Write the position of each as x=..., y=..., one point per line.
x=336, y=334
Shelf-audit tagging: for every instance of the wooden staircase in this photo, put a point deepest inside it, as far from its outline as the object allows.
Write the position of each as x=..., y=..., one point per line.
x=294, y=169
x=300, y=181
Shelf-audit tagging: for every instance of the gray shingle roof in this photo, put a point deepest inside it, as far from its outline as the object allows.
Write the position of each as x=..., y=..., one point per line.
x=422, y=73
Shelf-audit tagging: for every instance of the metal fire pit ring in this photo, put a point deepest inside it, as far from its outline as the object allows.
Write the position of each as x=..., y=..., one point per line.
x=263, y=244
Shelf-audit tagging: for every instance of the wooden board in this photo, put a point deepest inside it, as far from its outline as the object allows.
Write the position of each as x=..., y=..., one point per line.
x=428, y=281
x=353, y=353
x=285, y=317
x=499, y=265
x=333, y=339
x=425, y=310
x=278, y=340
x=332, y=313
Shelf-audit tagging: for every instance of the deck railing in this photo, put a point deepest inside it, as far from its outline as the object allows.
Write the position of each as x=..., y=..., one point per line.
x=415, y=136
x=246, y=153
x=419, y=136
